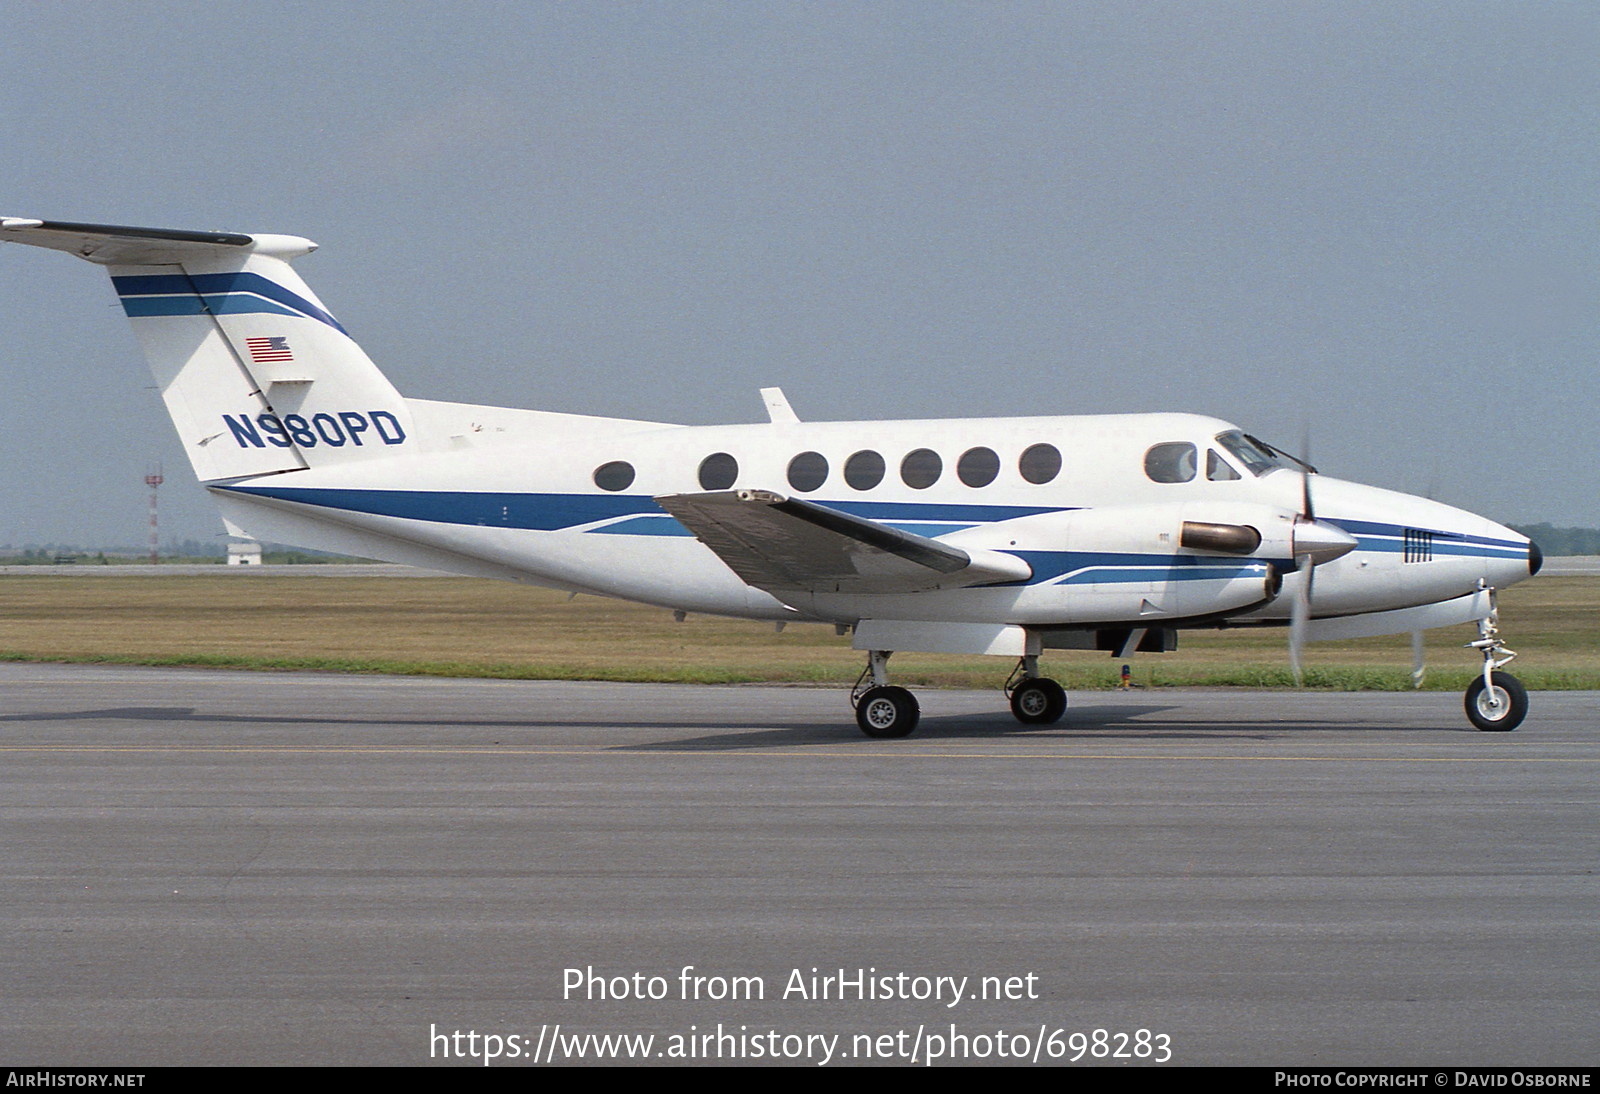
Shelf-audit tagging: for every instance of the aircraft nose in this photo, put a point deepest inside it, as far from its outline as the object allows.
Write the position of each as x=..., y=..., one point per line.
x=1509, y=556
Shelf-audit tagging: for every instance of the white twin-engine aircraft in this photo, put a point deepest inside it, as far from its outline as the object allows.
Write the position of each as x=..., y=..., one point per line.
x=1005, y=536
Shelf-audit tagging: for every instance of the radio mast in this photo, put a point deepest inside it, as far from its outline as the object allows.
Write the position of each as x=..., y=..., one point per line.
x=154, y=480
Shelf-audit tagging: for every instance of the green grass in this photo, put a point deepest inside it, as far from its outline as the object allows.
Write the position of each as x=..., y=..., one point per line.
x=462, y=627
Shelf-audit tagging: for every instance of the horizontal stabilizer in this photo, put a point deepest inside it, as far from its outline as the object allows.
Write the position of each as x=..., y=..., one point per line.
x=257, y=374
x=783, y=545
x=120, y=244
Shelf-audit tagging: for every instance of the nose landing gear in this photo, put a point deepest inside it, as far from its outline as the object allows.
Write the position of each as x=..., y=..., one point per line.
x=1496, y=702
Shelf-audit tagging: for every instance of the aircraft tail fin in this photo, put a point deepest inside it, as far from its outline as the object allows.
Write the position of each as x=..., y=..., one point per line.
x=258, y=376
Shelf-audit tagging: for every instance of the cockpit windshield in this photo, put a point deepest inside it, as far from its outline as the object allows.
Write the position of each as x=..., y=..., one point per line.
x=1257, y=457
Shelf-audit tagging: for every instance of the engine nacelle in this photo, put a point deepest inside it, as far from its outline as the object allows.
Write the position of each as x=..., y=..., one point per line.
x=1150, y=563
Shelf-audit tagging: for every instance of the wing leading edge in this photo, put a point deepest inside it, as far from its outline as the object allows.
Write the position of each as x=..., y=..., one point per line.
x=782, y=545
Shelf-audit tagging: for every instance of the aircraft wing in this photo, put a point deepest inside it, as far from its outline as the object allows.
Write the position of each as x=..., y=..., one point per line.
x=782, y=545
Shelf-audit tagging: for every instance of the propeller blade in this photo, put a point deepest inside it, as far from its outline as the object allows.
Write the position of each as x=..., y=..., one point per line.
x=1313, y=542
x=1300, y=615
x=1307, y=510
x=1418, y=669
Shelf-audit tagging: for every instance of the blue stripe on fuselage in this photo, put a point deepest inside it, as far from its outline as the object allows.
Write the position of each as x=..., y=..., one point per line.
x=553, y=512
x=635, y=515
x=658, y=525
x=1391, y=539
x=1091, y=567
x=922, y=510
x=540, y=512
x=663, y=525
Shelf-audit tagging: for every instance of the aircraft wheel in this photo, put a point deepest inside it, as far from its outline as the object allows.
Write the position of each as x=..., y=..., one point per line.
x=887, y=712
x=1038, y=702
x=1498, y=709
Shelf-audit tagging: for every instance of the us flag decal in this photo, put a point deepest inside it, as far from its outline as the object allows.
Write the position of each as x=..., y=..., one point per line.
x=269, y=349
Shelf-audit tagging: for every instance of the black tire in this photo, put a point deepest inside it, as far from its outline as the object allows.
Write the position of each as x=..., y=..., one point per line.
x=887, y=712
x=1038, y=702
x=1504, y=715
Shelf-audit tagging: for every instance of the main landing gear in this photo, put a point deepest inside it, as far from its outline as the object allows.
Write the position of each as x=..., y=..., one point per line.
x=1496, y=701
x=884, y=710
x=1035, y=700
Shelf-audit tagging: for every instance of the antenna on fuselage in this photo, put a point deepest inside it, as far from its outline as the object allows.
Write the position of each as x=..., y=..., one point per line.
x=778, y=409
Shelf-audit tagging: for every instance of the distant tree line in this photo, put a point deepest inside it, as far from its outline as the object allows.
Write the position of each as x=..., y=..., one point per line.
x=1562, y=541
x=189, y=550
x=47, y=552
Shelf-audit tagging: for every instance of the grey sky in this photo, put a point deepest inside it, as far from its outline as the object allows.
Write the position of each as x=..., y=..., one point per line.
x=1376, y=220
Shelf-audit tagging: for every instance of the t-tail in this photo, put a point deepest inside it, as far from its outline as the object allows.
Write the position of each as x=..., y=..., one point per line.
x=258, y=376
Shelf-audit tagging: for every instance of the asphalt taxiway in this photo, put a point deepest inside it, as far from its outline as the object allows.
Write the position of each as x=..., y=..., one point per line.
x=221, y=867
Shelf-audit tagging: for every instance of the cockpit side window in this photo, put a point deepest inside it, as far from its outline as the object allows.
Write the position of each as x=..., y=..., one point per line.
x=1219, y=469
x=1256, y=458
x=1174, y=461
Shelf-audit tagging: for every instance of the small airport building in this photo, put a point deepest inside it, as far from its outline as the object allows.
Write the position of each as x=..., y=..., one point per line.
x=247, y=553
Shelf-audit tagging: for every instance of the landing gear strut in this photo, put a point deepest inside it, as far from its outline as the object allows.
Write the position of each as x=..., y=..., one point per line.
x=1035, y=700
x=1496, y=701
x=883, y=710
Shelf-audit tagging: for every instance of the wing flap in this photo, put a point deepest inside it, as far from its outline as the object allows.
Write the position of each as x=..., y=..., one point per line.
x=783, y=545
